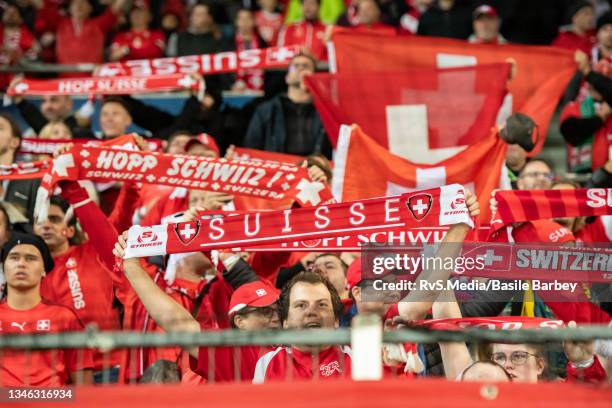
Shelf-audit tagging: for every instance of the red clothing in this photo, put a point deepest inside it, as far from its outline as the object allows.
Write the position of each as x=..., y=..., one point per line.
x=83, y=41
x=593, y=374
x=142, y=45
x=572, y=41
x=223, y=358
x=594, y=153
x=598, y=231
x=332, y=362
x=81, y=278
x=251, y=79
x=308, y=34
x=42, y=368
x=268, y=24
x=175, y=201
x=16, y=44
x=376, y=28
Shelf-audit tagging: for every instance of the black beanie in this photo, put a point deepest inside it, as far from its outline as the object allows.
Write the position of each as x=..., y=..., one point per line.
x=29, y=239
x=604, y=19
x=575, y=8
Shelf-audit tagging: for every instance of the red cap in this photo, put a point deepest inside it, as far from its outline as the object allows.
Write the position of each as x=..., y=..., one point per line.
x=205, y=140
x=256, y=294
x=484, y=10
x=353, y=273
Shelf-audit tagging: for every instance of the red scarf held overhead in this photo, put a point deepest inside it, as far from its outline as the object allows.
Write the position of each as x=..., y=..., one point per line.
x=429, y=208
x=489, y=323
x=105, y=86
x=529, y=205
x=110, y=161
x=223, y=62
x=50, y=146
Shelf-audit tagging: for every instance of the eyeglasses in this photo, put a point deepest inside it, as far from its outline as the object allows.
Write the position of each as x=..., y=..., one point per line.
x=517, y=358
x=267, y=311
x=536, y=174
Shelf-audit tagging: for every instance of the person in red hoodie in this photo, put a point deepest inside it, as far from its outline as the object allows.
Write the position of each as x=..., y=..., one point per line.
x=79, y=38
x=139, y=42
x=309, y=33
x=368, y=19
x=580, y=33
x=26, y=261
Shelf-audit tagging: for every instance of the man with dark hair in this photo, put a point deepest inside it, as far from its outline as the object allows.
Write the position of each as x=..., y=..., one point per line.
x=290, y=123
x=26, y=261
x=81, y=278
x=333, y=268
x=21, y=193
x=579, y=34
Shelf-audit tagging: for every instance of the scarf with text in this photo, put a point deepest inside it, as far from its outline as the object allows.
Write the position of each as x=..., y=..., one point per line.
x=115, y=160
x=106, y=86
x=428, y=208
x=489, y=323
x=49, y=146
x=223, y=62
x=528, y=205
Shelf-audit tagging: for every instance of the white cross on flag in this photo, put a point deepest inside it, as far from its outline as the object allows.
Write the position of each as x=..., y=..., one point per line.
x=419, y=205
x=494, y=256
x=187, y=231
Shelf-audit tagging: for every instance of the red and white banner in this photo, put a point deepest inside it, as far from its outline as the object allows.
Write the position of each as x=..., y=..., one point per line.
x=244, y=153
x=230, y=61
x=489, y=323
x=541, y=75
x=49, y=146
x=529, y=205
x=364, y=169
x=112, y=162
x=427, y=208
x=106, y=86
x=422, y=114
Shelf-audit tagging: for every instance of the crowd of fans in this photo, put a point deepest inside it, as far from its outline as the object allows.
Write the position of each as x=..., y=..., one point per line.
x=62, y=273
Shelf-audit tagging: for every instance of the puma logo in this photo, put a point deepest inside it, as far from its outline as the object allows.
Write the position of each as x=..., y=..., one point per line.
x=20, y=326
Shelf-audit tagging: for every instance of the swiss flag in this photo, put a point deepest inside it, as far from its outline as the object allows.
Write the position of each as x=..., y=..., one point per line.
x=542, y=73
x=422, y=114
x=364, y=169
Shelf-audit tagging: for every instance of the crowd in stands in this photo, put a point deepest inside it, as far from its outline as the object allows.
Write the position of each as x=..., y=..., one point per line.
x=62, y=273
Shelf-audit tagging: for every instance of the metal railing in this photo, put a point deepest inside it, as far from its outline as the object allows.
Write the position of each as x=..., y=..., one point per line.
x=113, y=340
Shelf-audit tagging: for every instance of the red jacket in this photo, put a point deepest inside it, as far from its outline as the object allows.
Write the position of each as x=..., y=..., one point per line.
x=142, y=45
x=310, y=35
x=572, y=41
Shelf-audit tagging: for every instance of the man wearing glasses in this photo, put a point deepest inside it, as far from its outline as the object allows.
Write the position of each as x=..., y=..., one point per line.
x=537, y=174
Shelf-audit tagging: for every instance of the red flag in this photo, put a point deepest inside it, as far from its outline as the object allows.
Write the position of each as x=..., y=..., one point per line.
x=364, y=169
x=421, y=114
x=542, y=73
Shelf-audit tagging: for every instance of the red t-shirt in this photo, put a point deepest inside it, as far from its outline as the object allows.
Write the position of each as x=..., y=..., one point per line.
x=599, y=231
x=81, y=282
x=290, y=364
x=268, y=24
x=224, y=359
x=48, y=368
x=308, y=34
x=142, y=45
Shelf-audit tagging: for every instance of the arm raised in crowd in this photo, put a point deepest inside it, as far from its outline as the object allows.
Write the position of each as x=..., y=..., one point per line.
x=418, y=302
x=168, y=314
x=92, y=219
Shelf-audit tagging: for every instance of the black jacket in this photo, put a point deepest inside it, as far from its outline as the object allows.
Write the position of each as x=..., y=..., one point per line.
x=32, y=115
x=267, y=129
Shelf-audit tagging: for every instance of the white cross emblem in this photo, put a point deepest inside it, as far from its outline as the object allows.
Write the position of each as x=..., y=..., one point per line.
x=84, y=153
x=215, y=186
x=186, y=82
x=281, y=54
x=86, y=164
x=489, y=257
x=290, y=177
x=419, y=207
x=150, y=178
x=309, y=191
x=285, y=186
x=62, y=163
x=21, y=87
x=71, y=262
x=187, y=231
x=43, y=325
x=261, y=292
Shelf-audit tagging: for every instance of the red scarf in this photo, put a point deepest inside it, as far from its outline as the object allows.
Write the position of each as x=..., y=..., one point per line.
x=429, y=208
x=253, y=79
x=105, y=86
x=490, y=323
x=119, y=160
x=528, y=205
x=50, y=146
x=231, y=61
